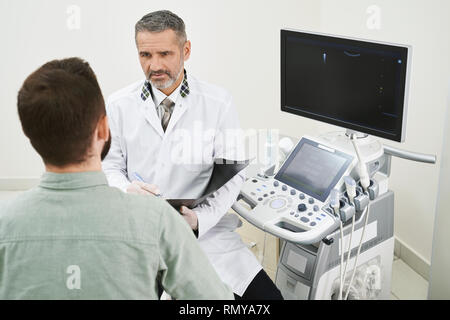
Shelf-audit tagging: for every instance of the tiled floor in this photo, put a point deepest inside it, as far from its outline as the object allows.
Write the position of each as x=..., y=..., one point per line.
x=406, y=283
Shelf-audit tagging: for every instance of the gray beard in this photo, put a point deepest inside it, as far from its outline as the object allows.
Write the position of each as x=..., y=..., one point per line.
x=168, y=83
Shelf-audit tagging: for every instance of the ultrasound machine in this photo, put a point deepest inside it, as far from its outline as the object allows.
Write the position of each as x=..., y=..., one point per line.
x=330, y=202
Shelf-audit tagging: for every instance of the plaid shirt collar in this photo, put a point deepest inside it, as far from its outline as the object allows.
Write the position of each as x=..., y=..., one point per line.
x=147, y=88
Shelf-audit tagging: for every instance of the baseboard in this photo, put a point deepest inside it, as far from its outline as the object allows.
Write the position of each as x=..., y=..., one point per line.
x=18, y=184
x=412, y=259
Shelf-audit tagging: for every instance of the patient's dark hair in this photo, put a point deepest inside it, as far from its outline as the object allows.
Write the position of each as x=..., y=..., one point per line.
x=59, y=107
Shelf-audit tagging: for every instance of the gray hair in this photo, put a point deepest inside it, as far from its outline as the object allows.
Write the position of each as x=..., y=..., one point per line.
x=159, y=21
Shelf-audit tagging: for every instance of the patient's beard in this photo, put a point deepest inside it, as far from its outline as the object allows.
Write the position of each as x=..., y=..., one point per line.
x=106, y=147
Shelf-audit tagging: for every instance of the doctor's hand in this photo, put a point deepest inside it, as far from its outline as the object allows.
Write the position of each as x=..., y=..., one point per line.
x=142, y=188
x=190, y=216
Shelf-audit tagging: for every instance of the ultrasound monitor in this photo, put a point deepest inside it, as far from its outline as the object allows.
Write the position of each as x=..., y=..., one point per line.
x=351, y=83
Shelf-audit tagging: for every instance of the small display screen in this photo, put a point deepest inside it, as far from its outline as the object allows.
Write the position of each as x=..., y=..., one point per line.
x=314, y=169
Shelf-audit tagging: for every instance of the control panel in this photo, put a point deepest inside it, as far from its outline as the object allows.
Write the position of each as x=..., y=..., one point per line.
x=294, y=204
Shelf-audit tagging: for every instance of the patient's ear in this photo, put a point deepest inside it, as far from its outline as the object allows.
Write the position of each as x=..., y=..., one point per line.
x=103, y=129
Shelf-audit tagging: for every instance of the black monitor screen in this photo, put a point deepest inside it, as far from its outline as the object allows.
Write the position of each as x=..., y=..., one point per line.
x=350, y=83
x=314, y=169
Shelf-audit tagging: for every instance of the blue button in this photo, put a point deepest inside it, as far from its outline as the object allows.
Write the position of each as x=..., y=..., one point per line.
x=323, y=214
x=317, y=218
x=304, y=219
x=264, y=186
x=258, y=189
x=312, y=224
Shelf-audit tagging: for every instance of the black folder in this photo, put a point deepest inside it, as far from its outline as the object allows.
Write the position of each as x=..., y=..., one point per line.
x=223, y=171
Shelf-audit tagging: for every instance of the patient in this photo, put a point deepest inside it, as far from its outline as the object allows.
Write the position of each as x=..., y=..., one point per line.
x=73, y=236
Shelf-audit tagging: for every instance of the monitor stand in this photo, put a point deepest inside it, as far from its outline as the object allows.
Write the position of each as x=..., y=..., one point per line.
x=359, y=135
x=370, y=147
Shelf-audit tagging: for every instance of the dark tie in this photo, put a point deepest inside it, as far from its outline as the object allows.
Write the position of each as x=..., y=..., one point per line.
x=167, y=108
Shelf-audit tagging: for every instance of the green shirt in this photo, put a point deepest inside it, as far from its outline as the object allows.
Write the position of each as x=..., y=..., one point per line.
x=74, y=237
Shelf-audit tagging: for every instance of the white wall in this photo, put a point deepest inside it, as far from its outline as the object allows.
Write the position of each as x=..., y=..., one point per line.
x=439, y=287
x=236, y=44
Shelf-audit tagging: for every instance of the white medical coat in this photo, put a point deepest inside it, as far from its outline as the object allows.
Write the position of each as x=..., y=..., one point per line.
x=180, y=161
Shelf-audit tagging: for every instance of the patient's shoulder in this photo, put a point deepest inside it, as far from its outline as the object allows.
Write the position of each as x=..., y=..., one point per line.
x=19, y=208
x=145, y=207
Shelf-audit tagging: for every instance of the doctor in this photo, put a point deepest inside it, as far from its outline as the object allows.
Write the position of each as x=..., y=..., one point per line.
x=169, y=128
